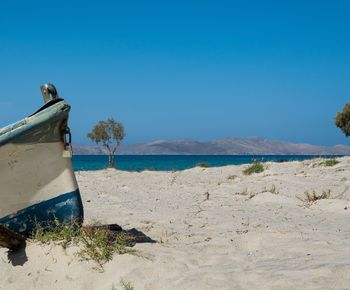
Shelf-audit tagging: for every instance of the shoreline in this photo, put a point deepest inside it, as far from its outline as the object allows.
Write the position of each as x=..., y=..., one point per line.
x=138, y=163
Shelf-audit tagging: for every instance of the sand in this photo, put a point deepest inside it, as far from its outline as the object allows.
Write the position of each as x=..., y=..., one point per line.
x=215, y=229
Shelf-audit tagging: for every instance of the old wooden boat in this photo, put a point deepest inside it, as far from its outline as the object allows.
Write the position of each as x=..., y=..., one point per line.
x=37, y=181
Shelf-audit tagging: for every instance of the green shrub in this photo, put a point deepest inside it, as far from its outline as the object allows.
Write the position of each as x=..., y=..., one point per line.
x=256, y=167
x=331, y=162
x=203, y=164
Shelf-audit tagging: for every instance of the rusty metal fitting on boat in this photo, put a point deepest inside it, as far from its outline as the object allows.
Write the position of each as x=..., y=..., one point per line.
x=49, y=92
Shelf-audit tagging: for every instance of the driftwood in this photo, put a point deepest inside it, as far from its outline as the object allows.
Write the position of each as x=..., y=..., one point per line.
x=133, y=236
x=10, y=239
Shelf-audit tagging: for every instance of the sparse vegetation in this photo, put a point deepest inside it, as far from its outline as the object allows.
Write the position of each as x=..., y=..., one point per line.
x=173, y=179
x=60, y=233
x=99, y=246
x=256, y=167
x=330, y=162
x=126, y=285
x=247, y=193
x=311, y=196
x=327, y=162
x=231, y=177
x=273, y=189
x=203, y=164
x=243, y=192
x=97, y=243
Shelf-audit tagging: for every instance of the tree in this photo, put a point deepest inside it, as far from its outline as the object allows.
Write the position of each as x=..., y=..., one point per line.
x=342, y=120
x=110, y=134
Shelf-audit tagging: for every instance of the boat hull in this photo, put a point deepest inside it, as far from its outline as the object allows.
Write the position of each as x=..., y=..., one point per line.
x=64, y=208
x=37, y=180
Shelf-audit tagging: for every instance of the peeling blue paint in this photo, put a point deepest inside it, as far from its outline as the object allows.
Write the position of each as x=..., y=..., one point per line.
x=65, y=208
x=47, y=125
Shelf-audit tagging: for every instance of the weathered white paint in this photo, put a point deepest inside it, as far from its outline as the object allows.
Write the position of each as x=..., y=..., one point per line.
x=31, y=173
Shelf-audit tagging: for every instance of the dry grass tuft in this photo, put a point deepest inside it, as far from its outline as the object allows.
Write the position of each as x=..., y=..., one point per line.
x=312, y=197
x=273, y=189
x=126, y=285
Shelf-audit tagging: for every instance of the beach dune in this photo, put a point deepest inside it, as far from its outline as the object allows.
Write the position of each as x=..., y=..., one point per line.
x=215, y=228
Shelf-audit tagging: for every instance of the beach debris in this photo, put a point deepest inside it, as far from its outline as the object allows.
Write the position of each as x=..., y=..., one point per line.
x=10, y=239
x=35, y=157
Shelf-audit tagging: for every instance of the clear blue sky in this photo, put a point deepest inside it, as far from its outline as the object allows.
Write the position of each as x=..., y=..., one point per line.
x=182, y=69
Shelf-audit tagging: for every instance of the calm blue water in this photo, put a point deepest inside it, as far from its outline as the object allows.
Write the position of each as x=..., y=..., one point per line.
x=175, y=162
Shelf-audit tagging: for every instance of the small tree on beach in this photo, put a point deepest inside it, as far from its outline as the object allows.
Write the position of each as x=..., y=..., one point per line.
x=342, y=120
x=110, y=134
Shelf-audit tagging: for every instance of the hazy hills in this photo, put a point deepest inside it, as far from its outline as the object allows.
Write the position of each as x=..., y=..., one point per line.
x=227, y=146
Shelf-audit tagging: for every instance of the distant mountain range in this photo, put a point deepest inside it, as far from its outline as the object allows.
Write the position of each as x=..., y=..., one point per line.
x=227, y=146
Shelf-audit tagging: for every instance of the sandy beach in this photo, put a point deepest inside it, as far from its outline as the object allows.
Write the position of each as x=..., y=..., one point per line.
x=215, y=228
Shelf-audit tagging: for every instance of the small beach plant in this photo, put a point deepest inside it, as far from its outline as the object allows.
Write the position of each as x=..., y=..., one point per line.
x=109, y=133
x=330, y=162
x=256, y=167
x=273, y=189
x=203, y=164
x=126, y=285
x=311, y=197
x=60, y=233
x=98, y=245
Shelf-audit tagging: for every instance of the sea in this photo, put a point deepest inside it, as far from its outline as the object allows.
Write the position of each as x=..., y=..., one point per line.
x=177, y=162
